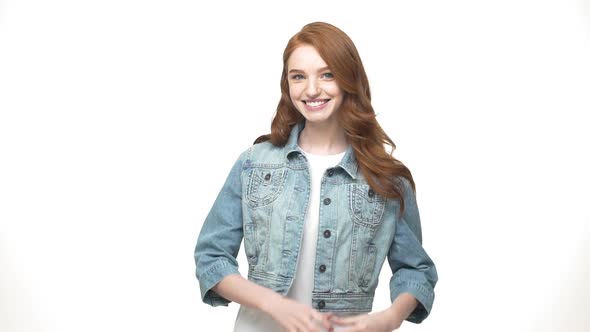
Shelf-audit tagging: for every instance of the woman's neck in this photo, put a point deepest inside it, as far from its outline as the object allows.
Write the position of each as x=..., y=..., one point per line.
x=323, y=139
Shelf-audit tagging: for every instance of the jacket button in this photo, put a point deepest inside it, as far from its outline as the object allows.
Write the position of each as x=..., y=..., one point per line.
x=321, y=304
x=327, y=233
x=327, y=201
x=322, y=268
x=371, y=193
x=330, y=172
x=267, y=176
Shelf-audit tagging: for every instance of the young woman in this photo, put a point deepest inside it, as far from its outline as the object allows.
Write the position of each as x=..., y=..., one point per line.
x=320, y=204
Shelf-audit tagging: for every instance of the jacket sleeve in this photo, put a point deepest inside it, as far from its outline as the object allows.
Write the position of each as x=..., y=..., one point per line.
x=220, y=237
x=413, y=270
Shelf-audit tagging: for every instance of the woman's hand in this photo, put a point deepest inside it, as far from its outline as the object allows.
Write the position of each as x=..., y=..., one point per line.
x=292, y=315
x=378, y=322
x=296, y=317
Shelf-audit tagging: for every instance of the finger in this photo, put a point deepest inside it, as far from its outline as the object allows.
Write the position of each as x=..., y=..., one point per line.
x=311, y=326
x=323, y=320
x=327, y=325
x=300, y=326
x=297, y=324
x=346, y=321
x=293, y=326
x=358, y=327
x=355, y=329
x=328, y=315
x=304, y=322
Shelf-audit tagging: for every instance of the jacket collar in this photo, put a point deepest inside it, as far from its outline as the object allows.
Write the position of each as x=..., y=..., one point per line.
x=348, y=162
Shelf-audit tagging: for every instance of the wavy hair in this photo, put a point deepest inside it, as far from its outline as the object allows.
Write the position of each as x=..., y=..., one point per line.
x=356, y=115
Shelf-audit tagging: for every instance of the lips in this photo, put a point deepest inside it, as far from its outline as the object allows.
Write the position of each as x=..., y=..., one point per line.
x=315, y=104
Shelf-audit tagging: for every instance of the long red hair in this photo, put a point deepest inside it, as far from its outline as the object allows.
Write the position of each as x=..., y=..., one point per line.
x=356, y=115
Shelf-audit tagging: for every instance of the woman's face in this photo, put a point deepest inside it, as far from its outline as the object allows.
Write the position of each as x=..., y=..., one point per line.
x=312, y=87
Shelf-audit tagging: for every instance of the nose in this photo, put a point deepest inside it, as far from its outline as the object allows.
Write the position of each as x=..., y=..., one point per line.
x=312, y=89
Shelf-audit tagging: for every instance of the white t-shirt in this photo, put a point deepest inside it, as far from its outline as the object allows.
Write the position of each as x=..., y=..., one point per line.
x=252, y=320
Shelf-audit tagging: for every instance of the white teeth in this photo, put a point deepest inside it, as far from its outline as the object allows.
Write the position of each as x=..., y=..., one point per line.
x=316, y=103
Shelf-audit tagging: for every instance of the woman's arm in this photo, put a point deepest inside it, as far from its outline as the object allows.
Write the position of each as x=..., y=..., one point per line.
x=236, y=288
x=217, y=268
x=413, y=280
x=383, y=321
x=400, y=309
x=220, y=237
x=293, y=316
x=413, y=271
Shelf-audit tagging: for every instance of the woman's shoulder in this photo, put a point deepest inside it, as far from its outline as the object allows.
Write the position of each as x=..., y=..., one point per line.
x=263, y=153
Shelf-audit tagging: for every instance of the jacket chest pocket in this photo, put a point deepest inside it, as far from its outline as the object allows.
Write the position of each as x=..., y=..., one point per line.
x=366, y=206
x=265, y=185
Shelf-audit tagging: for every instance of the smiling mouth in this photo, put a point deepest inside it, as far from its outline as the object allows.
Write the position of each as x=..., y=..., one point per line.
x=316, y=102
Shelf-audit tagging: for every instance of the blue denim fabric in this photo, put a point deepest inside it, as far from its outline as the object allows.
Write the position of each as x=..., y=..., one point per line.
x=264, y=201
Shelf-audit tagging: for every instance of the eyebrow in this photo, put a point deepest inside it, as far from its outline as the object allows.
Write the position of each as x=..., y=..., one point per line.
x=301, y=71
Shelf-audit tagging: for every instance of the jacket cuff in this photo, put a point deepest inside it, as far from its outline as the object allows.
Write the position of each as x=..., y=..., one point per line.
x=212, y=277
x=423, y=293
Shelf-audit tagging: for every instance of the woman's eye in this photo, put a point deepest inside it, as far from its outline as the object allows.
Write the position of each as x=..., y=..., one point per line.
x=297, y=77
x=328, y=75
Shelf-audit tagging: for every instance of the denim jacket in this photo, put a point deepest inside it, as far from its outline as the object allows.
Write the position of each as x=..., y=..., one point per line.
x=264, y=201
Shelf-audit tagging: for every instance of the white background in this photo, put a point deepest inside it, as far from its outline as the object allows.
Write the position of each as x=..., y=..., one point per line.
x=119, y=121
